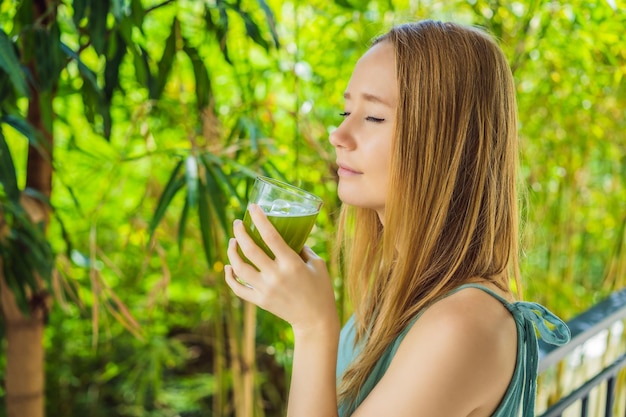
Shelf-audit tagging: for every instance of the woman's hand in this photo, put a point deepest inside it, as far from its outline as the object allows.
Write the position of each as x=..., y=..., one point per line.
x=296, y=288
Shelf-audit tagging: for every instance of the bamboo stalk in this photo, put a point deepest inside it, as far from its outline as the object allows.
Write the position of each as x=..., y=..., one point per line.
x=219, y=364
x=234, y=343
x=248, y=359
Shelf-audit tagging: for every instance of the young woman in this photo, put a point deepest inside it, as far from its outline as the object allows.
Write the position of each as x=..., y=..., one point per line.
x=427, y=156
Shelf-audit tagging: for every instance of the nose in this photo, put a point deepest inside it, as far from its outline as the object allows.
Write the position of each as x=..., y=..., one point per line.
x=342, y=137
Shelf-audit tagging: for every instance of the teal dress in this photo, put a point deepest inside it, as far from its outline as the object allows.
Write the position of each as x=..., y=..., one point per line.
x=520, y=395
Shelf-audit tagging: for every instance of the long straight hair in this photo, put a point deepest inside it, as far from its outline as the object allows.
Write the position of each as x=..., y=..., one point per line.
x=451, y=212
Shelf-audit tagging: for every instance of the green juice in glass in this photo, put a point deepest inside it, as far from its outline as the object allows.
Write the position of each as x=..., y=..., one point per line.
x=291, y=210
x=294, y=228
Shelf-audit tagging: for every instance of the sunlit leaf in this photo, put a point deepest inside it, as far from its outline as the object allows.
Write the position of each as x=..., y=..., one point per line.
x=191, y=179
x=35, y=139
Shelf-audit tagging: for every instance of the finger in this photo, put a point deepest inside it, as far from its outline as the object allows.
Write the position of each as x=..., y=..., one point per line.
x=242, y=269
x=312, y=259
x=268, y=232
x=242, y=291
x=249, y=247
x=307, y=254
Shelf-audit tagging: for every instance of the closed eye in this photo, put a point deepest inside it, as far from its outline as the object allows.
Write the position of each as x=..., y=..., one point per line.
x=368, y=118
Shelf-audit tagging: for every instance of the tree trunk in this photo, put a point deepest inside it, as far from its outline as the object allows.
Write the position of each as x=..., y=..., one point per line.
x=24, y=333
x=25, y=356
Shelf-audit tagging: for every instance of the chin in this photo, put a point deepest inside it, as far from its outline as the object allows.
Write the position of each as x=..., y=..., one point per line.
x=355, y=199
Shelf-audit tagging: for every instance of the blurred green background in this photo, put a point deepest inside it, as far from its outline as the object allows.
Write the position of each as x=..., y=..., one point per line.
x=162, y=112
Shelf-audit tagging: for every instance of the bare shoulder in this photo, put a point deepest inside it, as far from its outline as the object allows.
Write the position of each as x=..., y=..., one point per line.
x=464, y=344
x=467, y=312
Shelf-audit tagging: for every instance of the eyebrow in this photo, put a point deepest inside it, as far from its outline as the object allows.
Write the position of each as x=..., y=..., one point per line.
x=369, y=97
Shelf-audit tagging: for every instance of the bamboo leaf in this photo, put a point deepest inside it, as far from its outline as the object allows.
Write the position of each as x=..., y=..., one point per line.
x=35, y=251
x=11, y=65
x=217, y=200
x=91, y=92
x=80, y=7
x=174, y=184
x=220, y=28
x=97, y=24
x=49, y=57
x=22, y=260
x=182, y=225
x=167, y=60
x=8, y=179
x=271, y=22
x=137, y=12
x=203, y=83
x=11, y=272
x=142, y=68
x=85, y=71
x=253, y=31
x=223, y=179
x=7, y=92
x=205, y=224
x=117, y=9
x=191, y=178
x=35, y=139
x=116, y=53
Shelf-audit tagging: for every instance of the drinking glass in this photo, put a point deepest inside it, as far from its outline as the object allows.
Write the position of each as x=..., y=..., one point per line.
x=290, y=209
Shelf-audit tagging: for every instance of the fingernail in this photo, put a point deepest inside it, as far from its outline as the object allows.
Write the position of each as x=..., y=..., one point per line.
x=237, y=222
x=253, y=207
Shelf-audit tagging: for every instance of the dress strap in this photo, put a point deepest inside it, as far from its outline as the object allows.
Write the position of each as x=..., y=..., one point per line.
x=550, y=328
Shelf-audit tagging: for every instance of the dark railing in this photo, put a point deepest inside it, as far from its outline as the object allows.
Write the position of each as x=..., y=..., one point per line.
x=598, y=321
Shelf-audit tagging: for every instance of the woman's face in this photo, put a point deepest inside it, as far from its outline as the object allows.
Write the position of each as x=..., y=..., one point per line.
x=363, y=140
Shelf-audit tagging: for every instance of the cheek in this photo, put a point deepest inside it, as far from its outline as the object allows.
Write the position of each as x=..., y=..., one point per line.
x=382, y=161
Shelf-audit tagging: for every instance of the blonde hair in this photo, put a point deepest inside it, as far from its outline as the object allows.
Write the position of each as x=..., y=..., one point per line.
x=451, y=211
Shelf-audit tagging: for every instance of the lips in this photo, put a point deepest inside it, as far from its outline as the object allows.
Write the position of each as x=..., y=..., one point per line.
x=346, y=170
